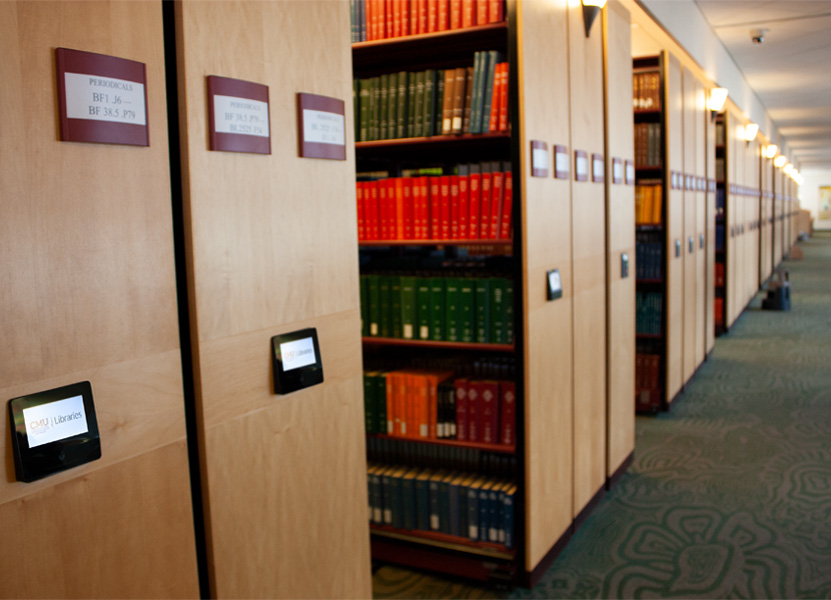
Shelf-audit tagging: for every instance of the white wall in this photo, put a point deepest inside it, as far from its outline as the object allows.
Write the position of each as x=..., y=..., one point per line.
x=809, y=193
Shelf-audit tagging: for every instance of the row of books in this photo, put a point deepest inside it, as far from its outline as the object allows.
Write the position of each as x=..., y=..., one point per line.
x=415, y=453
x=449, y=309
x=476, y=203
x=464, y=505
x=383, y=19
x=434, y=102
x=648, y=307
x=648, y=202
x=646, y=91
x=422, y=404
x=647, y=379
x=720, y=169
x=648, y=258
x=648, y=149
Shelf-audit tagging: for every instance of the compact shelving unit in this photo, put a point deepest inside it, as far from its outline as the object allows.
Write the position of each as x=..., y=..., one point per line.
x=720, y=305
x=460, y=552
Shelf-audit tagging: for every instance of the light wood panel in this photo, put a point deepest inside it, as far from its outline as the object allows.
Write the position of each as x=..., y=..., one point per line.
x=124, y=531
x=701, y=265
x=710, y=162
x=588, y=241
x=620, y=238
x=673, y=103
x=272, y=241
x=542, y=69
x=689, y=242
x=89, y=294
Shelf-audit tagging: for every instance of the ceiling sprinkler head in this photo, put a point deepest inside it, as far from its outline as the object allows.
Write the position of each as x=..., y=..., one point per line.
x=757, y=36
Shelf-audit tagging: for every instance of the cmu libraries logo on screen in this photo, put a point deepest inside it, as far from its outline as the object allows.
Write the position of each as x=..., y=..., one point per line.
x=296, y=354
x=55, y=421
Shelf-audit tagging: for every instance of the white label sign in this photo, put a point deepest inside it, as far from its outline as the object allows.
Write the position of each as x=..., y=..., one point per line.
x=597, y=173
x=630, y=173
x=617, y=171
x=582, y=166
x=323, y=127
x=96, y=98
x=561, y=163
x=55, y=421
x=540, y=159
x=299, y=353
x=554, y=283
x=240, y=116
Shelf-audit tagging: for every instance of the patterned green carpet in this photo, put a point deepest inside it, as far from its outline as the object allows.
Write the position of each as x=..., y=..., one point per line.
x=729, y=495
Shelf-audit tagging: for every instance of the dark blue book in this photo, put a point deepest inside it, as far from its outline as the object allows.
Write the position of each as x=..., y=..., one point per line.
x=408, y=503
x=422, y=500
x=508, y=516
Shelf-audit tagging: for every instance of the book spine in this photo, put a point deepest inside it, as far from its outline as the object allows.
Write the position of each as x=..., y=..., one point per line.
x=473, y=411
x=437, y=309
x=464, y=203
x=507, y=207
x=452, y=303
x=447, y=101
x=507, y=420
x=497, y=308
x=482, y=306
x=461, y=409
x=458, y=108
x=466, y=310
x=496, y=203
x=374, y=287
x=454, y=208
x=395, y=307
x=489, y=403
x=444, y=191
x=408, y=307
x=474, y=202
x=410, y=108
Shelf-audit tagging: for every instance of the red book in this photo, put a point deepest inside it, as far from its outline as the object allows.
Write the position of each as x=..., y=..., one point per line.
x=455, y=14
x=496, y=11
x=435, y=208
x=485, y=205
x=454, y=207
x=415, y=197
x=507, y=207
x=396, y=18
x=406, y=26
x=388, y=18
x=496, y=203
x=507, y=418
x=444, y=204
x=371, y=20
x=443, y=23
x=503, y=99
x=359, y=200
x=432, y=15
x=468, y=18
x=383, y=210
x=421, y=15
x=482, y=12
x=474, y=390
x=464, y=206
x=489, y=411
x=371, y=209
x=398, y=218
x=409, y=225
x=423, y=183
x=461, y=409
x=475, y=197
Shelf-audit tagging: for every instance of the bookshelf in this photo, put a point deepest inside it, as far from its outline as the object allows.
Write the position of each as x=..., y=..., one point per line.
x=650, y=233
x=440, y=281
x=720, y=302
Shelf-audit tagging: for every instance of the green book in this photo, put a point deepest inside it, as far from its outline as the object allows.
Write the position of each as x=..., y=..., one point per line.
x=509, y=311
x=411, y=106
x=409, y=307
x=376, y=101
x=369, y=404
x=437, y=288
x=395, y=306
x=479, y=60
x=418, y=128
x=487, y=90
x=356, y=112
x=429, y=99
x=482, y=303
x=452, y=302
x=380, y=385
x=465, y=311
x=383, y=109
x=497, y=308
x=364, y=92
x=364, y=282
x=385, y=324
x=374, y=290
x=436, y=113
x=423, y=311
x=392, y=106
x=403, y=103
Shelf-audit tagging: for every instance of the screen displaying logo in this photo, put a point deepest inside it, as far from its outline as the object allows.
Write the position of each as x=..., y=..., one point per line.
x=55, y=421
x=299, y=353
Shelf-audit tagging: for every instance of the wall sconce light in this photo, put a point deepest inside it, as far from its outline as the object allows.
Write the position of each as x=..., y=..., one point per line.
x=780, y=161
x=771, y=150
x=788, y=168
x=591, y=8
x=718, y=96
x=750, y=132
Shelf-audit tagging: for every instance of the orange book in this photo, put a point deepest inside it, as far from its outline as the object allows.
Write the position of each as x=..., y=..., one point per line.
x=468, y=18
x=455, y=14
x=420, y=17
x=493, y=118
x=496, y=203
x=464, y=206
x=424, y=218
x=432, y=15
x=406, y=23
x=444, y=203
x=482, y=12
x=389, y=18
x=435, y=208
x=657, y=190
x=496, y=11
x=443, y=15
x=507, y=207
x=397, y=228
x=396, y=18
x=371, y=20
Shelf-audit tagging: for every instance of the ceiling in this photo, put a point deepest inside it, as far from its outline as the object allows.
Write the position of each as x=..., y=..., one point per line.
x=790, y=71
